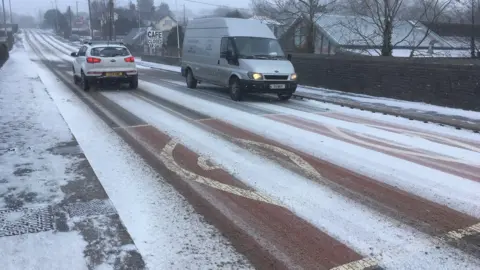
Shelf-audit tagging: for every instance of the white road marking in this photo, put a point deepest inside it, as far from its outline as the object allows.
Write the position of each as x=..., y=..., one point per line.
x=203, y=163
x=398, y=151
x=134, y=126
x=432, y=136
x=460, y=233
x=166, y=156
x=299, y=161
x=357, y=265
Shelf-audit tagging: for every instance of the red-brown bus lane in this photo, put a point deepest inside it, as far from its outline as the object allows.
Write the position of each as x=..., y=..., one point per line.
x=429, y=217
x=426, y=158
x=446, y=139
x=266, y=232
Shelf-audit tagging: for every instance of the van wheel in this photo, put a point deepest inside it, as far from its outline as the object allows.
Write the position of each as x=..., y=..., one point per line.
x=284, y=96
x=191, y=81
x=235, y=90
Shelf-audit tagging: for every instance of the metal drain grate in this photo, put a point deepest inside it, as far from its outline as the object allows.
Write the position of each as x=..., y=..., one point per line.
x=91, y=208
x=25, y=220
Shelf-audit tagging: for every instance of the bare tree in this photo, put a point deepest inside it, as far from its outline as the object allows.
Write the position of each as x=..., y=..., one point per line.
x=387, y=15
x=430, y=11
x=382, y=14
x=305, y=11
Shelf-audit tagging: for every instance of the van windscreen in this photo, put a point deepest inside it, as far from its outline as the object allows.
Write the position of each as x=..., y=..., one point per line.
x=256, y=47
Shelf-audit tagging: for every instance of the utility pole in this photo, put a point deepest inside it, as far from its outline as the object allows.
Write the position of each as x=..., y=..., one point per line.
x=4, y=19
x=110, y=18
x=184, y=17
x=178, y=36
x=10, y=5
x=472, y=38
x=90, y=19
x=56, y=17
x=69, y=10
x=77, y=8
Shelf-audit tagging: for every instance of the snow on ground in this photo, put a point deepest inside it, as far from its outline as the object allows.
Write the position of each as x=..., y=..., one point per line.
x=456, y=192
x=35, y=251
x=391, y=102
x=31, y=174
x=458, y=154
x=29, y=125
x=398, y=121
x=165, y=228
x=360, y=227
x=158, y=66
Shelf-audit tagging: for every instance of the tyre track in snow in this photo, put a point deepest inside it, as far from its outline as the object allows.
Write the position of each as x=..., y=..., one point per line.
x=441, y=227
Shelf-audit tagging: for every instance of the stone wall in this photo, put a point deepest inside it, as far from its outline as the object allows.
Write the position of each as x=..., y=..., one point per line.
x=452, y=82
x=441, y=81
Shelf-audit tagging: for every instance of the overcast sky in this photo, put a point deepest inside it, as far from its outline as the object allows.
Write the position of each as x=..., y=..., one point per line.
x=33, y=6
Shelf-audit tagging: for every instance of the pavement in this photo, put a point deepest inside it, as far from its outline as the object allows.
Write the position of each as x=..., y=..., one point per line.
x=51, y=201
x=289, y=185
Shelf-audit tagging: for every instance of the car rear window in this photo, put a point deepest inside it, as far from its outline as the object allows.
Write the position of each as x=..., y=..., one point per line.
x=109, y=51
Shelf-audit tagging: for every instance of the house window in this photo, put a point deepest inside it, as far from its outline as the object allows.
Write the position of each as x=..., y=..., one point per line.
x=167, y=23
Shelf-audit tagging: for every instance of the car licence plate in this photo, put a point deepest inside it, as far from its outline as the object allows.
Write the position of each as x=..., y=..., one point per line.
x=277, y=86
x=113, y=74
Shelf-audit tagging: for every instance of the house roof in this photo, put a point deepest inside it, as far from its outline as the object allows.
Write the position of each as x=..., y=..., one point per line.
x=165, y=16
x=265, y=20
x=134, y=35
x=362, y=31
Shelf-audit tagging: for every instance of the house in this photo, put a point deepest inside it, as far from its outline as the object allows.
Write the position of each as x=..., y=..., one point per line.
x=340, y=34
x=165, y=24
x=278, y=27
x=458, y=35
x=135, y=39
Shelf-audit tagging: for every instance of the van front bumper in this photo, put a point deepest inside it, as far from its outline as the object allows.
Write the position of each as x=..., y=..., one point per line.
x=266, y=86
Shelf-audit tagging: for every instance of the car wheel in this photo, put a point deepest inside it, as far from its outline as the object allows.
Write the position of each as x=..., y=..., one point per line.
x=75, y=79
x=134, y=83
x=235, y=90
x=191, y=81
x=84, y=83
x=284, y=96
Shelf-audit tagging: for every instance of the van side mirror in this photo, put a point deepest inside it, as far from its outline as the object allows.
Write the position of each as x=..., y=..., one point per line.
x=289, y=57
x=74, y=54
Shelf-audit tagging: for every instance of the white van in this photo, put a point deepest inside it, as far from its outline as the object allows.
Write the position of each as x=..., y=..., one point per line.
x=241, y=54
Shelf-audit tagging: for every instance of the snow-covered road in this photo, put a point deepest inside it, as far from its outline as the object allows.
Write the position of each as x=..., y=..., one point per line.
x=297, y=183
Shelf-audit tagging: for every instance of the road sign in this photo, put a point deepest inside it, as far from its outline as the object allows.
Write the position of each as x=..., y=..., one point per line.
x=154, y=38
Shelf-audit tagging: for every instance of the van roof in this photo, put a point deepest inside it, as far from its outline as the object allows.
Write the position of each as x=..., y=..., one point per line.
x=233, y=27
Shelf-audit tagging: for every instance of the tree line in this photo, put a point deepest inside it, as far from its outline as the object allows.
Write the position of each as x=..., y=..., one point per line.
x=383, y=14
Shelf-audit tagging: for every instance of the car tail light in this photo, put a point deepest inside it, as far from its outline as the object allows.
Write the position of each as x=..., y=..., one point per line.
x=130, y=59
x=93, y=60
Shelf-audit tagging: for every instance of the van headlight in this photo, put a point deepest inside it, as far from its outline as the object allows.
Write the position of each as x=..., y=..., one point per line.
x=293, y=77
x=255, y=76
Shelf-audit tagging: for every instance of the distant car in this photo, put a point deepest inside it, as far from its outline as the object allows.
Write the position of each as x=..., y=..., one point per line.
x=74, y=38
x=99, y=62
